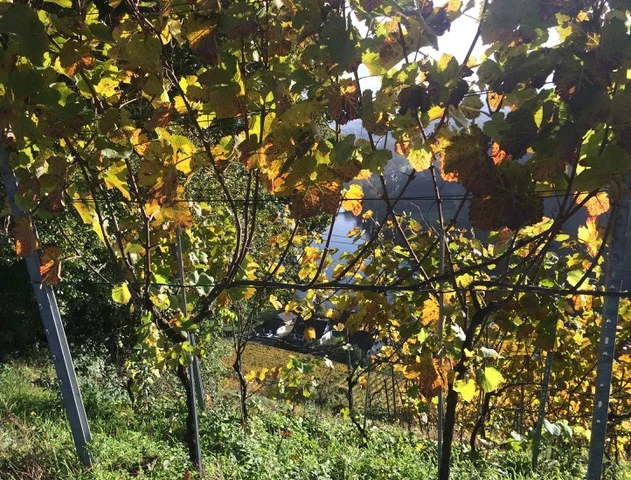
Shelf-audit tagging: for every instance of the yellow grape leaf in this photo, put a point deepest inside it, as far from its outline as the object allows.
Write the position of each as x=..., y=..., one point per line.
x=466, y=389
x=116, y=176
x=306, y=270
x=50, y=265
x=454, y=5
x=420, y=158
x=61, y=3
x=429, y=314
x=435, y=113
x=310, y=255
x=353, y=199
x=274, y=301
x=223, y=300
x=121, y=293
x=490, y=379
x=25, y=241
x=589, y=235
x=310, y=333
x=85, y=210
x=248, y=293
x=99, y=230
x=596, y=205
x=177, y=213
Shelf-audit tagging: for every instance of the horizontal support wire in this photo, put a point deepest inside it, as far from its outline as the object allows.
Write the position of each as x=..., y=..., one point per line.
x=542, y=193
x=480, y=287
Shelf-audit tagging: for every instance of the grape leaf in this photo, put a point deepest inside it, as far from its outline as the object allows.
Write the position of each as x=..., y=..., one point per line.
x=50, y=265
x=344, y=102
x=23, y=22
x=25, y=240
x=466, y=389
x=467, y=158
x=513, y=204
x=121, y=293
x=490, y=379
x=352, y=201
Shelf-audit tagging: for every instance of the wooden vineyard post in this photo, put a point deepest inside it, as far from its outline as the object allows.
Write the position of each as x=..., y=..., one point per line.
x=606, y=348
x=54, y=329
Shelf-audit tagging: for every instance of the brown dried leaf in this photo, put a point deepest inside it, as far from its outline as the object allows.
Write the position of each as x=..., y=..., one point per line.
x=495, y=101
x=25, y=241
x=160, y=118
x=202, y=39
x=391, y=51
x=429, y=375
x=315, y=199
x=344, y=102
x=467, y=157
x=75, y=57
x=53, y=202
x=50, y=265
x=597, y=205
x=497, y=154
x=139, y=141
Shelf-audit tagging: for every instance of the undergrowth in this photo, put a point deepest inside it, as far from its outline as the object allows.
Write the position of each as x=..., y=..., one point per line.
x=292, y=442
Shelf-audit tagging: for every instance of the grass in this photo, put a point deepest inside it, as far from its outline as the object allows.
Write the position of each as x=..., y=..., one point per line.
x=293, y=442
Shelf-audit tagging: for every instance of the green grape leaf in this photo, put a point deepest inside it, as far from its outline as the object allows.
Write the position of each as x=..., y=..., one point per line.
x=30, y=34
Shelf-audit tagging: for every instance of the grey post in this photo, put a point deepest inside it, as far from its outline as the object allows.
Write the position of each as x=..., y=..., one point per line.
x=536, y=443
x=606, y=348
x=194, y=374
x=196, y=371
x=54, y=329
x=441, y=326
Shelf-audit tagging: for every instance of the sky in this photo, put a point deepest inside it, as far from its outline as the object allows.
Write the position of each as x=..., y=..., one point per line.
x=455, y=42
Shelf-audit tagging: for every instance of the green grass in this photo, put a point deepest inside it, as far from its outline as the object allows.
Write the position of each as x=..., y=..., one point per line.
x=293, y=442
